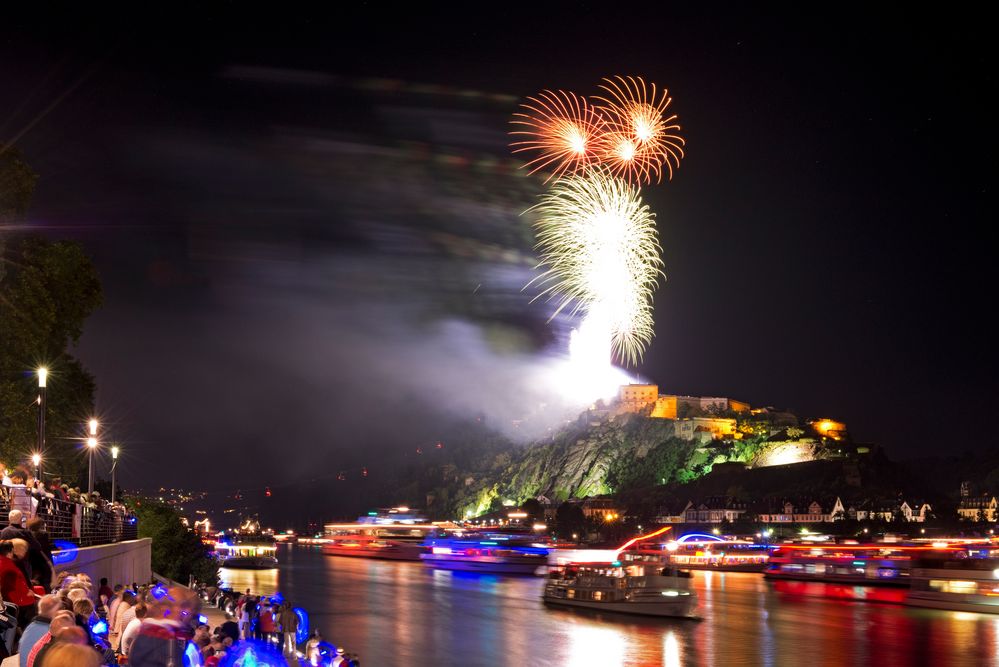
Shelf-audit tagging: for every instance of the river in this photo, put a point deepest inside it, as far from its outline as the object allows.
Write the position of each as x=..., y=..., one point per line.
x=404, y=614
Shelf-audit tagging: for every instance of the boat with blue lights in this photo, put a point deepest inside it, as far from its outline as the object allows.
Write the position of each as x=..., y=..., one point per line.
x=497, y=553
x=637, y=582
x=701, y=551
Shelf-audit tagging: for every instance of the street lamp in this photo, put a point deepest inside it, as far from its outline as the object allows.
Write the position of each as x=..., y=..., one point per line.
x=91, y=446
x=114, y=464
x=36, y=459
x=43, y=380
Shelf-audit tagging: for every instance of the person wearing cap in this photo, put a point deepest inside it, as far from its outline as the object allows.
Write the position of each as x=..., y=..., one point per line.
x=339, y=660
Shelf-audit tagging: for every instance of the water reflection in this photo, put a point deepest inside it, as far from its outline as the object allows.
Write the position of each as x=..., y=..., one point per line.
x=407, y=615
x=261, y=582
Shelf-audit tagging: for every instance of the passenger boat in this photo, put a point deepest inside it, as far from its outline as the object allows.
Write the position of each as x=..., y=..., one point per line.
x=620, y=581
x=958, y=580
x=390, y=534
x=886, y=564
x=247, y=553
x=488, y=552
x=709, y=552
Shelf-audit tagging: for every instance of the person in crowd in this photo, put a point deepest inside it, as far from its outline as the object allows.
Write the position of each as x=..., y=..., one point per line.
x=123, y=614
x=83, y=608
x=112, y=604
x=104, y=595
x=6, y=474
x=164, y=638
x=14, y=530
x=64, y=654
x=244, y=618
x=41, y=560
x=61, y=621
x=132, y=629
x=266, y=627
x=230, y=629
x=312, y=648
x=288, y=620
x=339, y=660
x=48, y=607
x=20, y=498
x=14, y=586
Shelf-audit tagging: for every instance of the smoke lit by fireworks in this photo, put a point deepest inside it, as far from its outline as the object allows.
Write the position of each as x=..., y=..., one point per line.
x=561, y=130
x=600, y=246
x=641, y=138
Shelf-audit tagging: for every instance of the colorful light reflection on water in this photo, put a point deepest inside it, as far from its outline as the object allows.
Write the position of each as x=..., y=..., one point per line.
x=401, y=613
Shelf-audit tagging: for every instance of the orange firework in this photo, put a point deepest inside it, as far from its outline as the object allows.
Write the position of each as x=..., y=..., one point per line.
x=562, y=130
x=640, y=137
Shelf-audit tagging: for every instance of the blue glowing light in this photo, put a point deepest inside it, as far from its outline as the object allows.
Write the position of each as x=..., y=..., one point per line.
x=202, y=619
x=99, y=628
x=699, y=537
x=302, y=635
x=66, y=553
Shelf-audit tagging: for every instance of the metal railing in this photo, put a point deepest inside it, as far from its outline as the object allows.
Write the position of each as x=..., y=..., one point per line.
x=66, y=521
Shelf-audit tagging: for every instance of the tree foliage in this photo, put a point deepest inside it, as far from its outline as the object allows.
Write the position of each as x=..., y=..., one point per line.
x=177, y=552
x=47, y=290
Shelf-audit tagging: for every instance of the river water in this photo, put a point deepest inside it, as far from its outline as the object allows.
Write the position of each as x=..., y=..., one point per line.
x=404, y=614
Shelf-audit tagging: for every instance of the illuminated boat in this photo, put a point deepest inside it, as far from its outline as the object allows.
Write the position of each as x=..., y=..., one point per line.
x=390, y=534
x=697, y=551
x=620, y=581
x=496, y=553
x=965, y=580
x=886, y=564
x=249, y=553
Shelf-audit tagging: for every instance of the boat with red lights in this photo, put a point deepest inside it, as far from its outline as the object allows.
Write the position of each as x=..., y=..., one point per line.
x=498, y=553
x=392, y=534
x=881, y=563
x=638, y=582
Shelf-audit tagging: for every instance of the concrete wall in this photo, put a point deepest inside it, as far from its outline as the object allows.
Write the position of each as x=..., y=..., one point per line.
x=121, y=563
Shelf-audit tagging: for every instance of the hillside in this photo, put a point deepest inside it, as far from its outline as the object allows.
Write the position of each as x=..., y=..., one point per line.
x=600, y=455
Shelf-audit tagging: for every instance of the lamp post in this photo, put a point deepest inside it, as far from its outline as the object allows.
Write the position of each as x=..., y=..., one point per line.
x=91, y=446
x=37, y=460
x=114, y=464
x=43, y=378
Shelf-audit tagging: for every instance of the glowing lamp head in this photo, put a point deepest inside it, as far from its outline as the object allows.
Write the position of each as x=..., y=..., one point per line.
x=93, y=426
x=43, y=377
x=36, y=459
x=672, y=545
x=92, y=443
x=114, y=452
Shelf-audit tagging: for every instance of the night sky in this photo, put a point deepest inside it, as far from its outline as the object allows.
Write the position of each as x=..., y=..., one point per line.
x=278, y=300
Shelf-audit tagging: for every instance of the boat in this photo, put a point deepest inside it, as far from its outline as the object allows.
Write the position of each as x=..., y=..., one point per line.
x=883, y=564
x=499, y=553
x=958, y=580
x=247, y=553
x=388, y=534
x=628, y=582
x=696, y=551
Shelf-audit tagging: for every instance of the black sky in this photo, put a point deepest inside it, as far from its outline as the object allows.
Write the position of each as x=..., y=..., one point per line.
x=827, y=239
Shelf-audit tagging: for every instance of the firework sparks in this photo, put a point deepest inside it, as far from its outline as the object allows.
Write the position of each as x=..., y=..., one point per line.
x=600, y=246
x=640, y=139
x=561, y=129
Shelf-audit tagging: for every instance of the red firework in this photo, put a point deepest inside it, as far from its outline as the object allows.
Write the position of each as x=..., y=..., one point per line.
x=562, y=130
x=640, y=138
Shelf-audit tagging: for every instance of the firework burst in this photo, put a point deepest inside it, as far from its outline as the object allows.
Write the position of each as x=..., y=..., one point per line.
x=561, y=130
x=640, y=139
x=599, y=245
